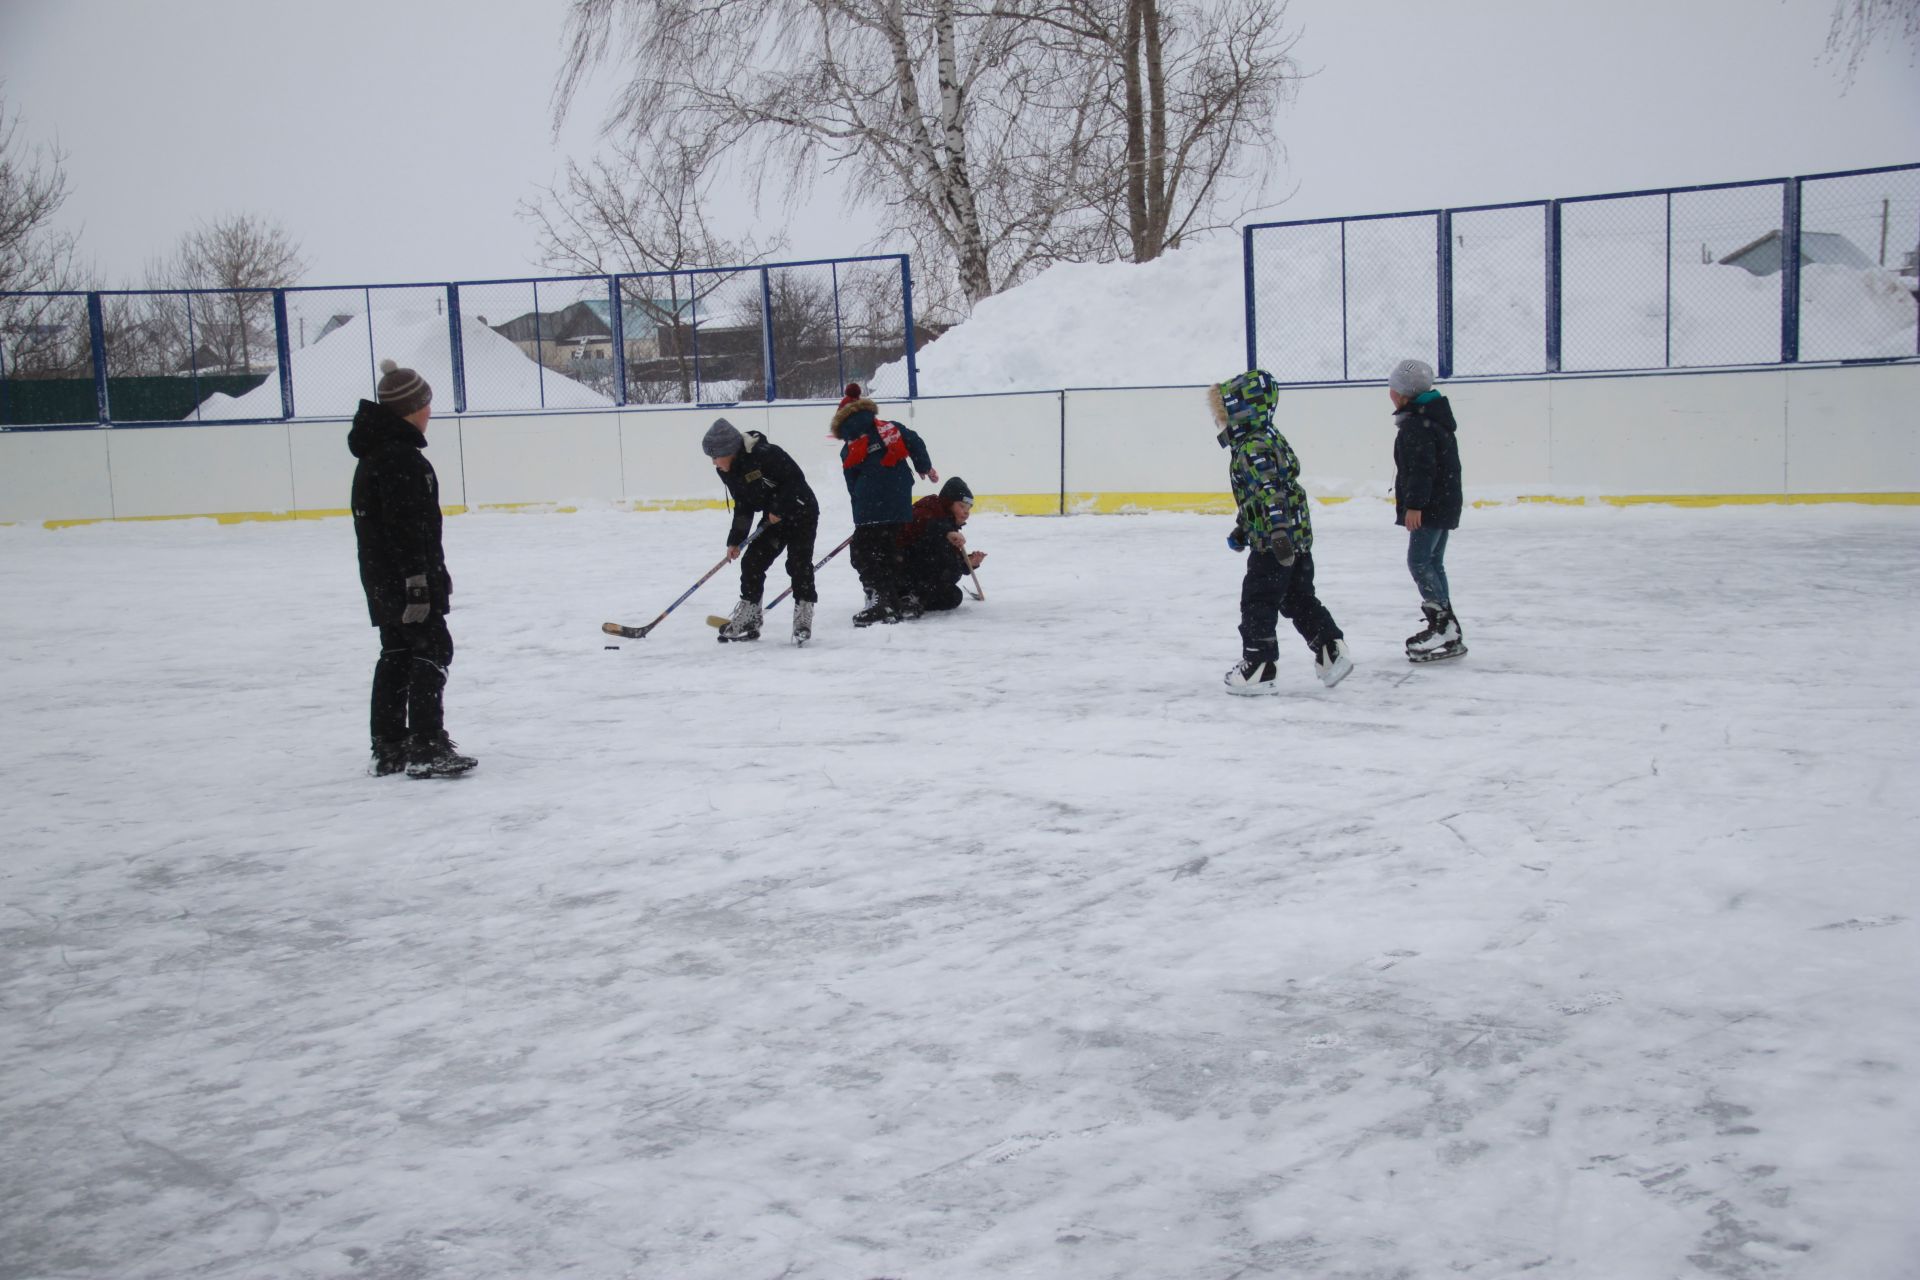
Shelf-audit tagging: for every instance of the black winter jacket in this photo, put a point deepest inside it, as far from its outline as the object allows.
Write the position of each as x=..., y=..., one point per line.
x=879, y=477
x=396, y=513
x=763, y=477
x=927, y=555
x=1426, y=463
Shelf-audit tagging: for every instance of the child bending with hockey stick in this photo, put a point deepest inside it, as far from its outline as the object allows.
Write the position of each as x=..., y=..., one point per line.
x=1274, y=529
x=760, y=476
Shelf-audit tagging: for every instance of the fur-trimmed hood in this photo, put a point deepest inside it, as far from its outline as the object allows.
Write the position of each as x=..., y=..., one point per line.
x=847, y=410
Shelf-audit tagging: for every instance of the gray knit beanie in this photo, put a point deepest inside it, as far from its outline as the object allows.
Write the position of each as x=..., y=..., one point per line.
x=403, y=390
x=722, y=440
x=1411, y=377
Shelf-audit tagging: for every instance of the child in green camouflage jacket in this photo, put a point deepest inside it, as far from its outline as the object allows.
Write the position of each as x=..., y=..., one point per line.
x=1274, y=528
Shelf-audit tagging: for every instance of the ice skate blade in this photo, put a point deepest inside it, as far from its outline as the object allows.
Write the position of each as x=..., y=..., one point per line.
x=1438, y=655
x=1333, y=675
x=1263, y=689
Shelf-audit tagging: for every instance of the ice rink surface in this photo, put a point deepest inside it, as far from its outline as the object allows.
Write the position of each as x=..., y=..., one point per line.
x=994, y=945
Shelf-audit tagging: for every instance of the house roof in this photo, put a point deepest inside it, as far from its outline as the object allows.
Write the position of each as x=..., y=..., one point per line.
x=1763, y=256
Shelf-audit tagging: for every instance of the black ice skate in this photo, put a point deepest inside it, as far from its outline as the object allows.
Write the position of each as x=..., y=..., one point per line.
x=389, y=758
x=745, y=622
x=880, y=609
x=1251, y=678
x=1425, y=636
x=433, y=756
x=1440, y=642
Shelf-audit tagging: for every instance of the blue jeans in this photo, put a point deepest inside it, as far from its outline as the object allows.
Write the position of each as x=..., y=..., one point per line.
x=1426, y=560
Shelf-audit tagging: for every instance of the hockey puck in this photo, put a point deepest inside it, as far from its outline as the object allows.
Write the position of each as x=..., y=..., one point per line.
x=613, y=646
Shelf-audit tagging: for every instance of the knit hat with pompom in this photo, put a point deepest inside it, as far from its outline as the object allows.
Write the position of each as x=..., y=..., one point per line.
x=403, y=390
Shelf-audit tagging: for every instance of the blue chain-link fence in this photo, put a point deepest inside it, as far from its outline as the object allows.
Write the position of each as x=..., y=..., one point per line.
x=1824, y=267
x=777, y=331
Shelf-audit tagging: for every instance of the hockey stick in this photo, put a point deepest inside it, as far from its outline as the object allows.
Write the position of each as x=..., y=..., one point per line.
x=978, y=592
x=640, y=633
x=715, y=620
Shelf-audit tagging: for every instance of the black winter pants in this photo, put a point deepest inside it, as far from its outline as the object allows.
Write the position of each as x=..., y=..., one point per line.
x=1272, y=590
x=409, y=678
x=876, y=558
x=795, y=537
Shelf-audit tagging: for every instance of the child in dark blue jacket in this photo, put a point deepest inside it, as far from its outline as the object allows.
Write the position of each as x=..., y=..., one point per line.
x=879, y=459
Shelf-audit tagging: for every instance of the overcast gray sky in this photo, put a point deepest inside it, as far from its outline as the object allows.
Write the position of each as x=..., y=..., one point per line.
x=394, y=138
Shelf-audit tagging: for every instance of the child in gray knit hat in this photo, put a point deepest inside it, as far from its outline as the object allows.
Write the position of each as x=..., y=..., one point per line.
x=1427, y=501
x=760, y=476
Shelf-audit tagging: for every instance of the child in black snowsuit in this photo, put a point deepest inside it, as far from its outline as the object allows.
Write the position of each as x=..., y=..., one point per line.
x=760, y=476
x=1427, y=501
x=403, y=570
x=933, y=551
x=1275, y=530
x=872, y=454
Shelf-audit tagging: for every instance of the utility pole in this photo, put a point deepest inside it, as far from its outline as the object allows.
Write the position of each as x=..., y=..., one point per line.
x=1885, y=204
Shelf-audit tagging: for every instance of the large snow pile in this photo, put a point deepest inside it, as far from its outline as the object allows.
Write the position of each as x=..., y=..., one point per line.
x=332, y=375
x=1181, y=319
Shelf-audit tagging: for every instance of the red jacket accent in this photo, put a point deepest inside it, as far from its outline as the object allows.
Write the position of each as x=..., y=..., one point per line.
x=889, y=434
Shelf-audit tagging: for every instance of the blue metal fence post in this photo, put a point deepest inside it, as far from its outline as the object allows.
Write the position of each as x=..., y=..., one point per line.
x=1669, y=311
x=97, y=331
x=1790, y=271
x=1345, y=346
x=617, y=327
x=539, y=347
x=913, y=356
x=283, y=351
x=456, y=349
x=193, y=358
x=839, y=335
x=1553, y=286
x=766, y=334
x=1445, y=273
x=1246, y=268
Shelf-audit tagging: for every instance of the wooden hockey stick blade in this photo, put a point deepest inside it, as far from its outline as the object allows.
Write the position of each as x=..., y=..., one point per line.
x=715, y=620
x=631, y=633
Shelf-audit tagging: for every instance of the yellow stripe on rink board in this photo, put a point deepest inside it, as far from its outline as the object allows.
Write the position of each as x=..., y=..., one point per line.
x=1046, y=504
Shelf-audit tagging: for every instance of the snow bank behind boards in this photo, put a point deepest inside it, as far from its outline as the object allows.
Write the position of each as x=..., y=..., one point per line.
x=331, y=376
x=1181, y=319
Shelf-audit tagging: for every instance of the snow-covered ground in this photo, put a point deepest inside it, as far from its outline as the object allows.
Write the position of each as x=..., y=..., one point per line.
x=994, y=945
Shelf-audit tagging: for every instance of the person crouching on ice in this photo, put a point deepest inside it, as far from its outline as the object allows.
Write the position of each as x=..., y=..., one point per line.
x=873, y=452
x=1275, y=531
x=933, y=551
x=760, y=476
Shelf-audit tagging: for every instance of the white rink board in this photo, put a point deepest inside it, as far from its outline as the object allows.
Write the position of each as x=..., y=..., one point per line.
x=55, y=475
x=1006, y=445
x=1705, y=434
x=1761, y=433
x=200, y=470
x=1853, y=430
x=547, y=458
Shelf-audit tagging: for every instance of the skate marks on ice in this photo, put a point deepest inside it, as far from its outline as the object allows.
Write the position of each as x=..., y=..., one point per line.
x=1572, y=960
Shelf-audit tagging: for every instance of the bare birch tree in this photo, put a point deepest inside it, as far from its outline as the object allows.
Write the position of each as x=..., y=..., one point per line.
x=1190, y=94
x=966, y=127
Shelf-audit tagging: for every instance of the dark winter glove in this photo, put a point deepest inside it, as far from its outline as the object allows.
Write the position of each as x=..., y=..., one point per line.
x=1237, y=540
x=1282, y=547
x=419, y=601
